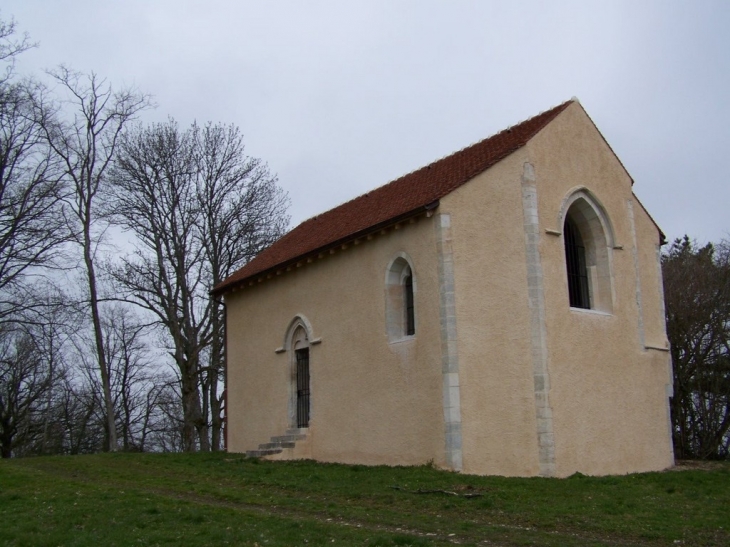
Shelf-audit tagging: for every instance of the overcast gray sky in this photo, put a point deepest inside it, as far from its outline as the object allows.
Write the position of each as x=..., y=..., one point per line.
x=339, y=97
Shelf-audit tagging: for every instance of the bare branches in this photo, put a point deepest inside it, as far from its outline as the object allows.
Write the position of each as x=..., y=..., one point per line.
x=32, y=225
x=199, y=208
x=243, y=208
x=23, y=382
x=84, y=145
x=31, y=368
x=11, y=46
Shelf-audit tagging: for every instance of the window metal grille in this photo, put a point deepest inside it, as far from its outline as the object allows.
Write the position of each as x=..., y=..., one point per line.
x=575, y=259
x=302, y=356
x=410, y=315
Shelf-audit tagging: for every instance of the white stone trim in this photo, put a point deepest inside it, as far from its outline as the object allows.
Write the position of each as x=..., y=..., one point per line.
x=637, y=274
x=591, y=312
x=405, y=256
x=538, y=339
x=299, y=319
x=669, y=387
x=449, y=350
x=578, y=192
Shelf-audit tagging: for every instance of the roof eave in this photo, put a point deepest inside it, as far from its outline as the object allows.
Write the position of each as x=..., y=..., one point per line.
x=228, y=286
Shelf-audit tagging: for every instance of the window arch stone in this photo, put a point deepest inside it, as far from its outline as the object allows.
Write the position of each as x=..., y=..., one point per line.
x=298, y=341
x=299, y=321
x=400, y=298
x=588, y=238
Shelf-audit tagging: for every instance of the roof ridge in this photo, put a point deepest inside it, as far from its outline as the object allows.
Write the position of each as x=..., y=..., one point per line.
x=505, y=130
x=446, y=156
x=417, y=190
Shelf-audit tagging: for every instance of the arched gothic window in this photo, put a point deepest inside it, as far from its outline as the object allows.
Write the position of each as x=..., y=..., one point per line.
x=588, y=240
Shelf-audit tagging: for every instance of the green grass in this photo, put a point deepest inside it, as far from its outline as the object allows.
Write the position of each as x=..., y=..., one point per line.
x=225, y=499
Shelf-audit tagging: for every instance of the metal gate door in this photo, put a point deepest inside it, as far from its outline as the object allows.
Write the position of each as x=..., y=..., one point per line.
x=302, y=387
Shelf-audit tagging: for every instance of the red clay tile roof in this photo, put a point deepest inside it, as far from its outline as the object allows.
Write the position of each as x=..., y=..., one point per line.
x=403, y=197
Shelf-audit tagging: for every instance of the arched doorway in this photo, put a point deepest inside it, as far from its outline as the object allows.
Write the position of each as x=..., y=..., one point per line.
x=298, y=342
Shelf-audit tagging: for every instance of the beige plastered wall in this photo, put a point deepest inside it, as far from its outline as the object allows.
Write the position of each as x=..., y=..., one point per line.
x=497, y=396
x=608, y=372
x=372, y=401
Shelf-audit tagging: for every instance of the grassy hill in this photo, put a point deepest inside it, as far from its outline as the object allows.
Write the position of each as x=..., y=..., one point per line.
x=225, y=499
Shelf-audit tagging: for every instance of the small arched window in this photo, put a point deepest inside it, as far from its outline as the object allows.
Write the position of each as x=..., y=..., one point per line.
x=400, y=301
x=588, y=240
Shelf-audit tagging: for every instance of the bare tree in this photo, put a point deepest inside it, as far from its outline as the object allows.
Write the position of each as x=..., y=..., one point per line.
x=50, y=322
x=242, y=210
x=54, y=157
x=155, y=199
x=85, y=145
x=32, y=230
x=167, y=433
x=167, y=185
x=77, y=429
x=697, y=295
x=134, y=376
x=11, y=46
x=23, y=384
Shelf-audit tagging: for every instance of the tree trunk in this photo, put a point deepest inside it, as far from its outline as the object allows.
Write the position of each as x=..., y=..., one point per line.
x=216, y=420
x=192, y=416
x=111, y=436
x=217, y=364
x=6, y=440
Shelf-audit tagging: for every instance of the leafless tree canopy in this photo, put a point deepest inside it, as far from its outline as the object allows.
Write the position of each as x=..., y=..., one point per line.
x=11, y=46
x=24, y=381
x=199, y=207
x=32, y=229
x=83, y=143
x=73, y=370
x=697, y=294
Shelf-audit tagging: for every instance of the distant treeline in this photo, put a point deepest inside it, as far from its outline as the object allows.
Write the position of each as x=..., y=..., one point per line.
x=697, y=300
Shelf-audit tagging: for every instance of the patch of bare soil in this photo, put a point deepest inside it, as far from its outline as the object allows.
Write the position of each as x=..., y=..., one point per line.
x=701, y=465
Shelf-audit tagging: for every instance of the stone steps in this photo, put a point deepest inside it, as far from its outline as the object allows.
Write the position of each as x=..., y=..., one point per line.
x=287, y=438
x=261, y=453
x=278, y=443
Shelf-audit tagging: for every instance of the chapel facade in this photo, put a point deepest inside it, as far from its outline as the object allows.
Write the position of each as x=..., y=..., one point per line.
x=499, y=311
